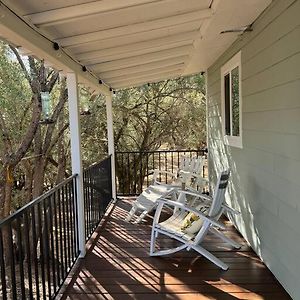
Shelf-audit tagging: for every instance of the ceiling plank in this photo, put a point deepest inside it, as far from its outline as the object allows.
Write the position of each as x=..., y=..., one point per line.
x=146, y=73
x=146, y=58
x=126, y=39
x=129, y=54
x=147, y=79
x=135, y=28
x=71, y=13
x=144, y=67
x=148, y=44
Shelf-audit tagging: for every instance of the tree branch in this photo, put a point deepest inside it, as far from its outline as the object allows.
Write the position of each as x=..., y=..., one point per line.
x=21, y=63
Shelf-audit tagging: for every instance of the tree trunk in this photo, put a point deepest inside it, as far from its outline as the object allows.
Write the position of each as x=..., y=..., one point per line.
x=38, y=177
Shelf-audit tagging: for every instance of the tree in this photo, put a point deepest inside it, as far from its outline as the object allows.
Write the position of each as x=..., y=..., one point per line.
x=165, y=115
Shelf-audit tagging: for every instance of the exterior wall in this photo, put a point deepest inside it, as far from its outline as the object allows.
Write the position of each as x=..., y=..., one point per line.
x=265, y=184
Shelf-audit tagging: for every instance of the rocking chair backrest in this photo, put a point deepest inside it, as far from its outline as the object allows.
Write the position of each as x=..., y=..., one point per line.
x=198, y=165
x=192, y=165
x=219, y=194
x=184, y=163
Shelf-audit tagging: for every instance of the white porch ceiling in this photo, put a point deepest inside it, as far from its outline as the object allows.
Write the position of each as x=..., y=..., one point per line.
x=131, y=42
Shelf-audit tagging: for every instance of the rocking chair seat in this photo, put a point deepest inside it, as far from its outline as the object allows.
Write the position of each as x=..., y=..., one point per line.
x=147, y=200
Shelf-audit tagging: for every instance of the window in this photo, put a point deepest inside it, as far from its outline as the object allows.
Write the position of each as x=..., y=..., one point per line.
x=232, y=101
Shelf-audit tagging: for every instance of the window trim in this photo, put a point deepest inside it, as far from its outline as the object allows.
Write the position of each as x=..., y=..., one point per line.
x=235, y=61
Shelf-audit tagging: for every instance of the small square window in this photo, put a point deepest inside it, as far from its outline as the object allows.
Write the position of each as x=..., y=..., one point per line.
x=232, y=101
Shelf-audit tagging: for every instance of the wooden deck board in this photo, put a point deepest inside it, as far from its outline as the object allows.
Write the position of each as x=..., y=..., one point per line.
x=117, y=266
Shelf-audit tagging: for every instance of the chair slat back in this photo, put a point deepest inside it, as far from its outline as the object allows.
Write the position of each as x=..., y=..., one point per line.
x=184, y=163
x=219, y=195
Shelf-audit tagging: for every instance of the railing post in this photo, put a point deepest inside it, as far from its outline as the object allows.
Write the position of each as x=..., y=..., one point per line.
x=111, y=145
x=76, y=157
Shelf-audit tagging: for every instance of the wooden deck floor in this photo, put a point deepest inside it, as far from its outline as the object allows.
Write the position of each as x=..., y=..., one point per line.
x=117, y=266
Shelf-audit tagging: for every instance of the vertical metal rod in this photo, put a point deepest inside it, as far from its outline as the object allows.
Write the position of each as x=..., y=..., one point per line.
x=159, y=167
x=141, y=173
x=12, y=262
x=71, y=221
x=64, y=231
x=134, y=172
x=61, y=238
x=172, y=161
x=76, y=214
x=56, y=234
x=129, y=175
x=2, y=268
x=28, y=253
x=147, y=167
x=42, y=247
x=85, y=199
x=166, y=165
x=68, y=224
x=34, y=252
x=123, y=175
x=21, y=258
x=50, y=230
x=45, y=230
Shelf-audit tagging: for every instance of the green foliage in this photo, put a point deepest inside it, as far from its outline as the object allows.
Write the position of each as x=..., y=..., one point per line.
x=168, y=114
x=15, y=96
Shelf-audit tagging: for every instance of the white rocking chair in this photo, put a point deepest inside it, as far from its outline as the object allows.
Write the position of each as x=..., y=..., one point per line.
x=147, y=200
x=209, y=222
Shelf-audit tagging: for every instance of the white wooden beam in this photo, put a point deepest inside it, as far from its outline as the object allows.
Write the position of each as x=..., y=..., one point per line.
x=147, y=79
x=197, y=15
x=16, y=31
x=141, y=59
x=79, y=11
x=76, y=157
x=168, y=41
x=144, y=67
x=144, y=74
x=111, y=143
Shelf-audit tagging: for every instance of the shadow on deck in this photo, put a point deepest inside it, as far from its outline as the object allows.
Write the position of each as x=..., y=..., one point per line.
x=118, y=266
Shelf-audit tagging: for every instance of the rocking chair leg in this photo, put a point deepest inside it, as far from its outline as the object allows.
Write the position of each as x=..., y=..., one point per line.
x=225, y=238
x=141, y=217
x=167, y=251
x=211, y=257
x=131, y=214
x=152, y=242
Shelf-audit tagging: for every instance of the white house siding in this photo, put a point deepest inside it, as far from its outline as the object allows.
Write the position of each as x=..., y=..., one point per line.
x=265, y=181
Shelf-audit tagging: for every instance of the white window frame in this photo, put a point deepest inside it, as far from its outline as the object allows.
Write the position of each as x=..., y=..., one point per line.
x=235, y=61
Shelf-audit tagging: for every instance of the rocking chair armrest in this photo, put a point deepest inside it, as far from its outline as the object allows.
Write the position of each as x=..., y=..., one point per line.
x=156, y=171
x=163, y=201
x=192, y=192
x=196, y=175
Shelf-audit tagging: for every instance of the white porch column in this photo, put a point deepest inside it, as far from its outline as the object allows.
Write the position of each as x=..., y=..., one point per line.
x=111, y=145
x=72, y=85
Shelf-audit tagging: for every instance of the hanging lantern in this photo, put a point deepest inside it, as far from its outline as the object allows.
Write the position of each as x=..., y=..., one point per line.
x=46, y=108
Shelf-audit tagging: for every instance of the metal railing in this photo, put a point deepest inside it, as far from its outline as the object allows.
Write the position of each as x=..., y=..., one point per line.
x=97, y=186
x=39, y=244
x=133, y=167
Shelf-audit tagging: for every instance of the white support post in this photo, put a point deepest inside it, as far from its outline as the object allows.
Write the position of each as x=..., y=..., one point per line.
x=72, y=85
x=110, y=142
x=207, y=131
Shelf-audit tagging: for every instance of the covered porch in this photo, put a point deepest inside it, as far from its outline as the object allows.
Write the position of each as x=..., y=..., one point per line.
x=117, y=266
x=118, y=44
